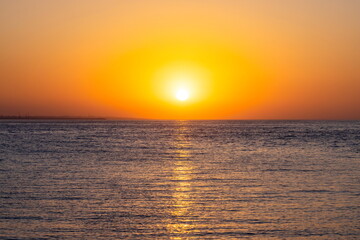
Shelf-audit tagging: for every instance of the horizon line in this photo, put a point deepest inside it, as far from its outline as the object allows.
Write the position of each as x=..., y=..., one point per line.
x=66, y=117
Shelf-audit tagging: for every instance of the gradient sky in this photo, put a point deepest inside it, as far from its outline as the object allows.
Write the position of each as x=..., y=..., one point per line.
x=254, y=59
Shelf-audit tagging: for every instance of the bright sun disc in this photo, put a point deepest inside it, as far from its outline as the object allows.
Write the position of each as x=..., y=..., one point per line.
x=182, y=94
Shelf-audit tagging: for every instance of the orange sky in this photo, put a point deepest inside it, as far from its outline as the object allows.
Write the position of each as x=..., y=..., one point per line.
x=238, y=59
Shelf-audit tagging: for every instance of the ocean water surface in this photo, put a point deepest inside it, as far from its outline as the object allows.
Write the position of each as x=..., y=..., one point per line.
x=179, y=179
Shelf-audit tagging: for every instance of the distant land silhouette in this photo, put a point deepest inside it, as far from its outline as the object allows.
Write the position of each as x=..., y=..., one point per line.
x=24, y=117
x=48, y=117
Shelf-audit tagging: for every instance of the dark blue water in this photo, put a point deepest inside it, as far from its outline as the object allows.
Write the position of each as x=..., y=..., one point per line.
x=179, y=179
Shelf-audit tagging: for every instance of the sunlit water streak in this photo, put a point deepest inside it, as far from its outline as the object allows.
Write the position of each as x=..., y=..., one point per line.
x=179, y=179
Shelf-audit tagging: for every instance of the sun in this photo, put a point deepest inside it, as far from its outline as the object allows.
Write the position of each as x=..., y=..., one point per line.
x=182, y=94
x=181, y=84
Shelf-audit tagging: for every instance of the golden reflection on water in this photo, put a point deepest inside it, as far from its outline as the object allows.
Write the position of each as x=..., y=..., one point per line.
x=182, y=176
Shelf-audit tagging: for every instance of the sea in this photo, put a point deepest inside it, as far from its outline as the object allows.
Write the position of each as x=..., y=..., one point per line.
x=105, y=179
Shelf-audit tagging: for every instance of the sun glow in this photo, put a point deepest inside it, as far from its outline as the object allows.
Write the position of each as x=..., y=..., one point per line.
x=174, y=84
x=182, y=94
